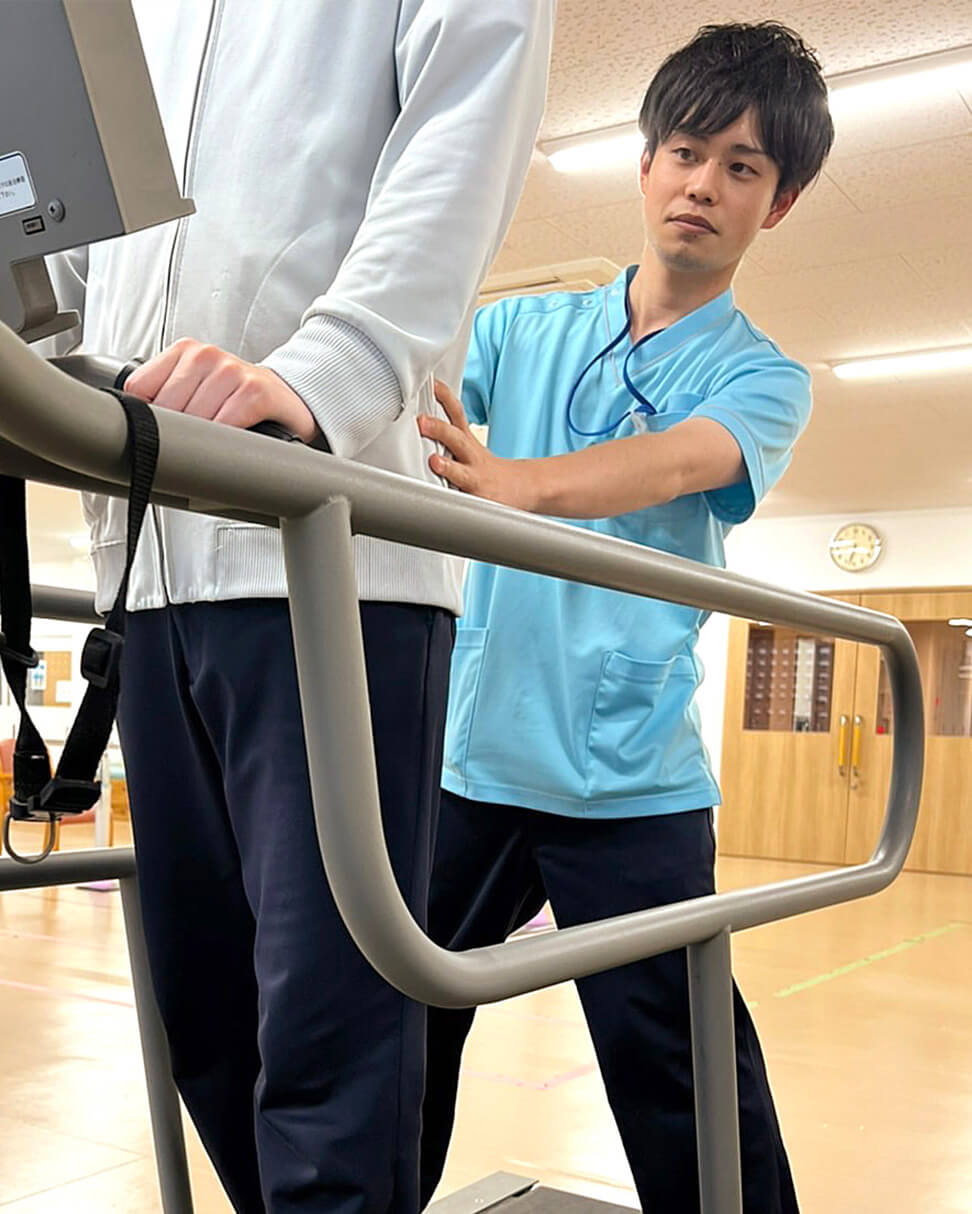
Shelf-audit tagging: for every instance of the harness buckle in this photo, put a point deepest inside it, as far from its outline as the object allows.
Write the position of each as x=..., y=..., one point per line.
x=101, y=656
x=29, y=659
x=57, y=798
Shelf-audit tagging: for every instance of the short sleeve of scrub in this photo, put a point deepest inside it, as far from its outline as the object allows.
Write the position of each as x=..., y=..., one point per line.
x=765, y=409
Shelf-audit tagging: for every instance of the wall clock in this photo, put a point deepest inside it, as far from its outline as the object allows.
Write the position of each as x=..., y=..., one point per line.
x=855, y=546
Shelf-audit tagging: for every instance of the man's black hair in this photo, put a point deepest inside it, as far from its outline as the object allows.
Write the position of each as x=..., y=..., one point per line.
x=728, y=69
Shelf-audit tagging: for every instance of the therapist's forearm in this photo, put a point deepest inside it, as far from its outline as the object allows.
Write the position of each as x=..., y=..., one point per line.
x=608, y=479
x=600, y=482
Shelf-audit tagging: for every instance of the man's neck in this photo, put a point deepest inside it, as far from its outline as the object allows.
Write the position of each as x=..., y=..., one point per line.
x=659, y=296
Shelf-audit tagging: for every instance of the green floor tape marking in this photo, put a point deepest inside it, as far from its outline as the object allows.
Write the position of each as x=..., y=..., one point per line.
x=903, y=947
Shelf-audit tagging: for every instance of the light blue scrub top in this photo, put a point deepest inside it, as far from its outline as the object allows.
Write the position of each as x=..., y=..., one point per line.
x=573, y=699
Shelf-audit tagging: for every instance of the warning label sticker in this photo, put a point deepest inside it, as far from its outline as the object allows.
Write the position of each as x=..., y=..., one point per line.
x=16, y=191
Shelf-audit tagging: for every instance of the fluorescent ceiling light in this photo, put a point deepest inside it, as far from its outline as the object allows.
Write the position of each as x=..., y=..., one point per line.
x=603, y=149
x=869, y=90
x=960, y=623
x=926, y=362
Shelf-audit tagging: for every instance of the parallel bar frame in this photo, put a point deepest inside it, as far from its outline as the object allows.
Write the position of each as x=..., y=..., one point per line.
x=54, y=429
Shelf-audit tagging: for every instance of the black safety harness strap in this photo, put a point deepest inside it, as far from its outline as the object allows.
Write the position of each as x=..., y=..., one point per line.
x=38, y=796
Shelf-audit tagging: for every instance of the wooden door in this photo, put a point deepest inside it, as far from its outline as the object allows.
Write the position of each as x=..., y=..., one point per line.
x=943, y=839
x=786, y=743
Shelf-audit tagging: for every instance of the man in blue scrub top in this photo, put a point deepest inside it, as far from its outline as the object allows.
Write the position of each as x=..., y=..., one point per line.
x=653, y=410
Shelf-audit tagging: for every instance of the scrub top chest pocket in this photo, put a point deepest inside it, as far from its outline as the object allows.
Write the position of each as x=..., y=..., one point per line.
x=678, y=407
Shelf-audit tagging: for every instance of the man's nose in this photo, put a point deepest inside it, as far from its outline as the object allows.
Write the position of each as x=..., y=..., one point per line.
x=703, y=187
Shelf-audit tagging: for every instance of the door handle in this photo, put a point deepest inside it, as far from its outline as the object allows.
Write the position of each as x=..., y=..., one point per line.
x=856, y=746
x=842, y=745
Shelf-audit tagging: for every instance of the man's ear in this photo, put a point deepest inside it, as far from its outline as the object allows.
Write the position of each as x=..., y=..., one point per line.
x=646, y=157
x=782, y=205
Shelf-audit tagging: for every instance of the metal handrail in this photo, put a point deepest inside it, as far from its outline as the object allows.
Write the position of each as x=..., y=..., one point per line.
x=58, y=430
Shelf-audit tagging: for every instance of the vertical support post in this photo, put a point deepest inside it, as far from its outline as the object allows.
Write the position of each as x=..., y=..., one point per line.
x=714, y=1066
x=331, y=672
x=170, y=1143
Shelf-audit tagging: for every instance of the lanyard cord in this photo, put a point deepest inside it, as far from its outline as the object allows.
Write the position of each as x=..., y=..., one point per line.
x=644, y=405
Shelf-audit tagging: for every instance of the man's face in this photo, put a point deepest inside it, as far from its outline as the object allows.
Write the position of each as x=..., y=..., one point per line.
x=706, y=197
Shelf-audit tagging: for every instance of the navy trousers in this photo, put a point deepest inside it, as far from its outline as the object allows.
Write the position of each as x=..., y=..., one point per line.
x=301, y=1068
x=495, y=866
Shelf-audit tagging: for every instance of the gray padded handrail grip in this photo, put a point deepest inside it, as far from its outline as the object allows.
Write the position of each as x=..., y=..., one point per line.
x=54, y=603
x=62, y=424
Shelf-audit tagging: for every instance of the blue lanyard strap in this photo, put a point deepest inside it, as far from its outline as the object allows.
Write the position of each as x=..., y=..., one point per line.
x=645, y=406
x=643, y=401
x=580, y=379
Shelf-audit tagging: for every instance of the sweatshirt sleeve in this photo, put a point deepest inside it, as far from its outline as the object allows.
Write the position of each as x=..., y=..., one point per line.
x=471, y=81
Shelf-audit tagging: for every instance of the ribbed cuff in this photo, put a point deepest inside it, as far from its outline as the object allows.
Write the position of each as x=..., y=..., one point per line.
x=343, y=378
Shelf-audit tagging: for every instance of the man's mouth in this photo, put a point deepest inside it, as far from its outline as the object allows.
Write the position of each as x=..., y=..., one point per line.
x=692, y=221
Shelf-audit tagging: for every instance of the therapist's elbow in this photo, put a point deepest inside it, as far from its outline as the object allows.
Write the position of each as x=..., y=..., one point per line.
x=694, y=476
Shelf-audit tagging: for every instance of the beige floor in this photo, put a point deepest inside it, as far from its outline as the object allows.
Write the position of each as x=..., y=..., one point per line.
x=864, y=1012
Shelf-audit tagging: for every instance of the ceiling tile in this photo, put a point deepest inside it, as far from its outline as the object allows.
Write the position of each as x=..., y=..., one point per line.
x=905, y=119
x=606, y=53
x=538, y=243
x=821, y=200
x=860, y=33
x=949, y=273
x=935, y=172
x=872, y=467
x=548, y=192
x=616, y=231
x=880, y=326
x=838, y=289
x=909, y=231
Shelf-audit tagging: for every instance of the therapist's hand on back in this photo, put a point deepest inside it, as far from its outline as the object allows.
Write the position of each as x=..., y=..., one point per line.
x=470, y=466
x=205, y=381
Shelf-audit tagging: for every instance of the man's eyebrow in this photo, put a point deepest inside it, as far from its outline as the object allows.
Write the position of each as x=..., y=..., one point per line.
x=740, y=149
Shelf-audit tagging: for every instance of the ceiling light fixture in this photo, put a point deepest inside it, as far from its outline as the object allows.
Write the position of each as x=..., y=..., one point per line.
x=893, y=366
x=593, y=150
x=862, y=90
x=903, y=82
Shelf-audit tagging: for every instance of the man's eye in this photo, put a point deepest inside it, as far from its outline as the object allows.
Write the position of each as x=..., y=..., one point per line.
x=683, y=153
x=742, y=170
